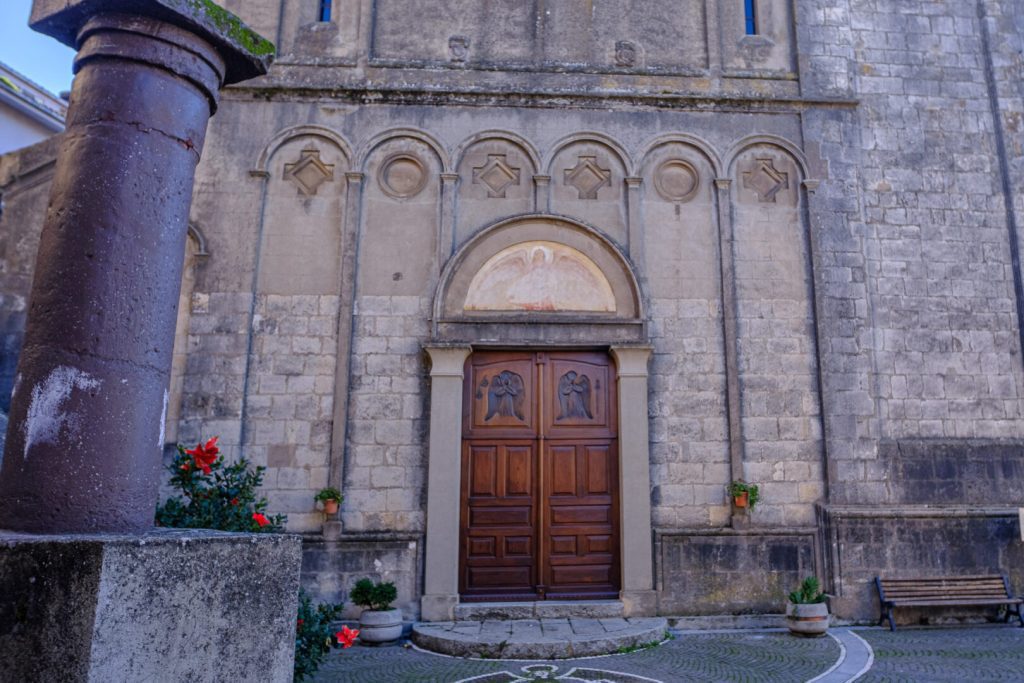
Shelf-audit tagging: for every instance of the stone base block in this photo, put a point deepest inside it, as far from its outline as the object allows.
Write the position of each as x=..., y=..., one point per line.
x=169, y=605
x=639, y=603
x=439, y=607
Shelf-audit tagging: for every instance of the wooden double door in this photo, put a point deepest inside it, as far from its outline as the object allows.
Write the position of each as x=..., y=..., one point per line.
x=540, y=473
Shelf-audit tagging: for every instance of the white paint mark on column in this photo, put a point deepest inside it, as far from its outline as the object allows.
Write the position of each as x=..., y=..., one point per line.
x=45, y=418
x=163, y=421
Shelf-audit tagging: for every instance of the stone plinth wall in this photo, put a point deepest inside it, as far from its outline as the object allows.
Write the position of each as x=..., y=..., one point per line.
x=865, y=542
x=732, y=572
x=331, y=568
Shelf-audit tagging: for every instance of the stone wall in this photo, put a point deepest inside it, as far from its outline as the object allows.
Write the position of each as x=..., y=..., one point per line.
x=846, y=185
x=25, y=177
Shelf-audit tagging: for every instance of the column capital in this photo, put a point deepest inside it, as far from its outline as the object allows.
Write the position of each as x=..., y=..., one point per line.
x=447, y=360
x=632, y=360
x=246, y=54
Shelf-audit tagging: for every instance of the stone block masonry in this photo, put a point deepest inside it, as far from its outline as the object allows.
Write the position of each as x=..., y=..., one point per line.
x=166, y=605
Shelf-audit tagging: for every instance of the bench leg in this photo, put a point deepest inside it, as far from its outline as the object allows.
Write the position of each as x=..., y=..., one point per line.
x=892, y=622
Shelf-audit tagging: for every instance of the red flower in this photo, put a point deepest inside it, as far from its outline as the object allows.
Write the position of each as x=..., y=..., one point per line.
x=346, y=636
x=234, y=501
x=204, y=456
x=298, y=624
x=260, y=519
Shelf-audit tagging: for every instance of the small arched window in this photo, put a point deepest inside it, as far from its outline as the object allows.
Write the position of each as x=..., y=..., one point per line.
x=325, y=10
x=750, y=11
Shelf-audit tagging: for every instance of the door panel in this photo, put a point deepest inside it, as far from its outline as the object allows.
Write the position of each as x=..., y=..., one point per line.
x=588, y=515
x=540, y=477
x=498, y=519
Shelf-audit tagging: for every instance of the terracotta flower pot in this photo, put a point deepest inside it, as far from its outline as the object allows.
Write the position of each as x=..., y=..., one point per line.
x=380, y=626
x=741, y=500
x=330, y=507
x=807, y=620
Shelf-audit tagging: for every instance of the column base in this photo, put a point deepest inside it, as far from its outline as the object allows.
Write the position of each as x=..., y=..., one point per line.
x=639, y=603
x=438, y=607
x=163, y=605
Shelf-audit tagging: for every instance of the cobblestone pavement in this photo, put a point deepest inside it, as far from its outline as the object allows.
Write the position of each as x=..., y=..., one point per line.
x=733, y=656
x=975, y=654
x=962, y=655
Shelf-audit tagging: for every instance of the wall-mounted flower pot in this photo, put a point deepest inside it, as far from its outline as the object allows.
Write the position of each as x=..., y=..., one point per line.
x=808, y=619
x=741, y=500
x=330, y=507
x=380, y=626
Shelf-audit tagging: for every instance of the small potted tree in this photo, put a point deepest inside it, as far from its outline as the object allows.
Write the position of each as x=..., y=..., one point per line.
x=379, y=622
x=744, y=495
x=331, y=498
x=807, y=611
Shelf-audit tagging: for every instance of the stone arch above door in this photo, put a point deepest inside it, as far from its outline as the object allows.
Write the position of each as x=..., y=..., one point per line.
x=531, y=277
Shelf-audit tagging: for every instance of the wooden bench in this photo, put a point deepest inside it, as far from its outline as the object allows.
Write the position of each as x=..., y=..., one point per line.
x=946, y=591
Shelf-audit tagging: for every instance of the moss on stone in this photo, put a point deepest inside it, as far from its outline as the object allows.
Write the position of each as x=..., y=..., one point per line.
x=232, y=27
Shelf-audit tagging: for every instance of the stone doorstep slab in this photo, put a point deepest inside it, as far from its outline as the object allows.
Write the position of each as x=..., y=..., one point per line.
x=541, y=609
x=536, y=639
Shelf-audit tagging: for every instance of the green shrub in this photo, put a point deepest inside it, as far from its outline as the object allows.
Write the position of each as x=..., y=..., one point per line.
x=327, y=494
x=375, y=596
x=314, y=637
x=215, y=495
x=808, y=593
x=740, y=487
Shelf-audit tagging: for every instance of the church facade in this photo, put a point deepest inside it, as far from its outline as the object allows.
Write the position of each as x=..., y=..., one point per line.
x=533, y=282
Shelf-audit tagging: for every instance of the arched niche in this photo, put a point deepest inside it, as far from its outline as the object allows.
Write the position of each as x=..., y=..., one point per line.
x=535, y=279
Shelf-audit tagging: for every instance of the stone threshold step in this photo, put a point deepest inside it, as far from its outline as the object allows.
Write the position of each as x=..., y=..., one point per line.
x=539, y=638
x=541, y=609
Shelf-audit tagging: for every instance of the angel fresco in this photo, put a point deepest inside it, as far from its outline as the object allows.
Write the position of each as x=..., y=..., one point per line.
x=574, y=396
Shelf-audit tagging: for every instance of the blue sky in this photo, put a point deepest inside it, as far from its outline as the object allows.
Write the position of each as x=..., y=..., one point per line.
x=40, y=58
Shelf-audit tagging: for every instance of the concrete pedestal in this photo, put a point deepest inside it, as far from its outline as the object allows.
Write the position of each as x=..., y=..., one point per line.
x=168, y=605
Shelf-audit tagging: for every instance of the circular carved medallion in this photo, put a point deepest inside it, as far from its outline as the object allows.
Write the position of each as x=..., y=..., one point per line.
x=677, y=180
x=402, y=176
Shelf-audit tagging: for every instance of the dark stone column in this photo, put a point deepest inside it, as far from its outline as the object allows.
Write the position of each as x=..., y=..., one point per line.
x=84, y=444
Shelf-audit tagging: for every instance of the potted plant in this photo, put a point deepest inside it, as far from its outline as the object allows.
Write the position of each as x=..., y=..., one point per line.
x=379, y=622
x=331, y=498
x=807, y=611
x=744, y=495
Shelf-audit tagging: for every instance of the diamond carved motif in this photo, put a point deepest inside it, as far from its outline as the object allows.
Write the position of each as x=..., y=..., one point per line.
x=588, y=177
x=766, y=180
x=496, y=175
x=309, y=172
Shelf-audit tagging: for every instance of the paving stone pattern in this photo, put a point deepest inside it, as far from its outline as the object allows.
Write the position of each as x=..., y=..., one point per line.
x=752, y=656
x=977, y=654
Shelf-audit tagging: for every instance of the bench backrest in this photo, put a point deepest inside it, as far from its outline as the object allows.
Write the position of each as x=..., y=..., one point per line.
x=982, y=586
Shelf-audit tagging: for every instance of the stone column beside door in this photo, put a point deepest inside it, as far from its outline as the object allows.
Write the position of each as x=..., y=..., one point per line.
x=441, y=570
x=638, y=594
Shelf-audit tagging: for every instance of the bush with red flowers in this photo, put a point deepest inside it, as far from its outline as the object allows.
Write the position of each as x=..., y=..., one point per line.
x=215, y=495
x=315, y=636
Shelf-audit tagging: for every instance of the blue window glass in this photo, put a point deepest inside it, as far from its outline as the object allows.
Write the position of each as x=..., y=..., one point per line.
x=325, y=10
x=751, y=11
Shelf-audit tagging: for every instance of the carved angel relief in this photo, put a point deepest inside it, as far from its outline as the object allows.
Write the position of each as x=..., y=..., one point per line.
x=505, y=395
x=574, y=396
